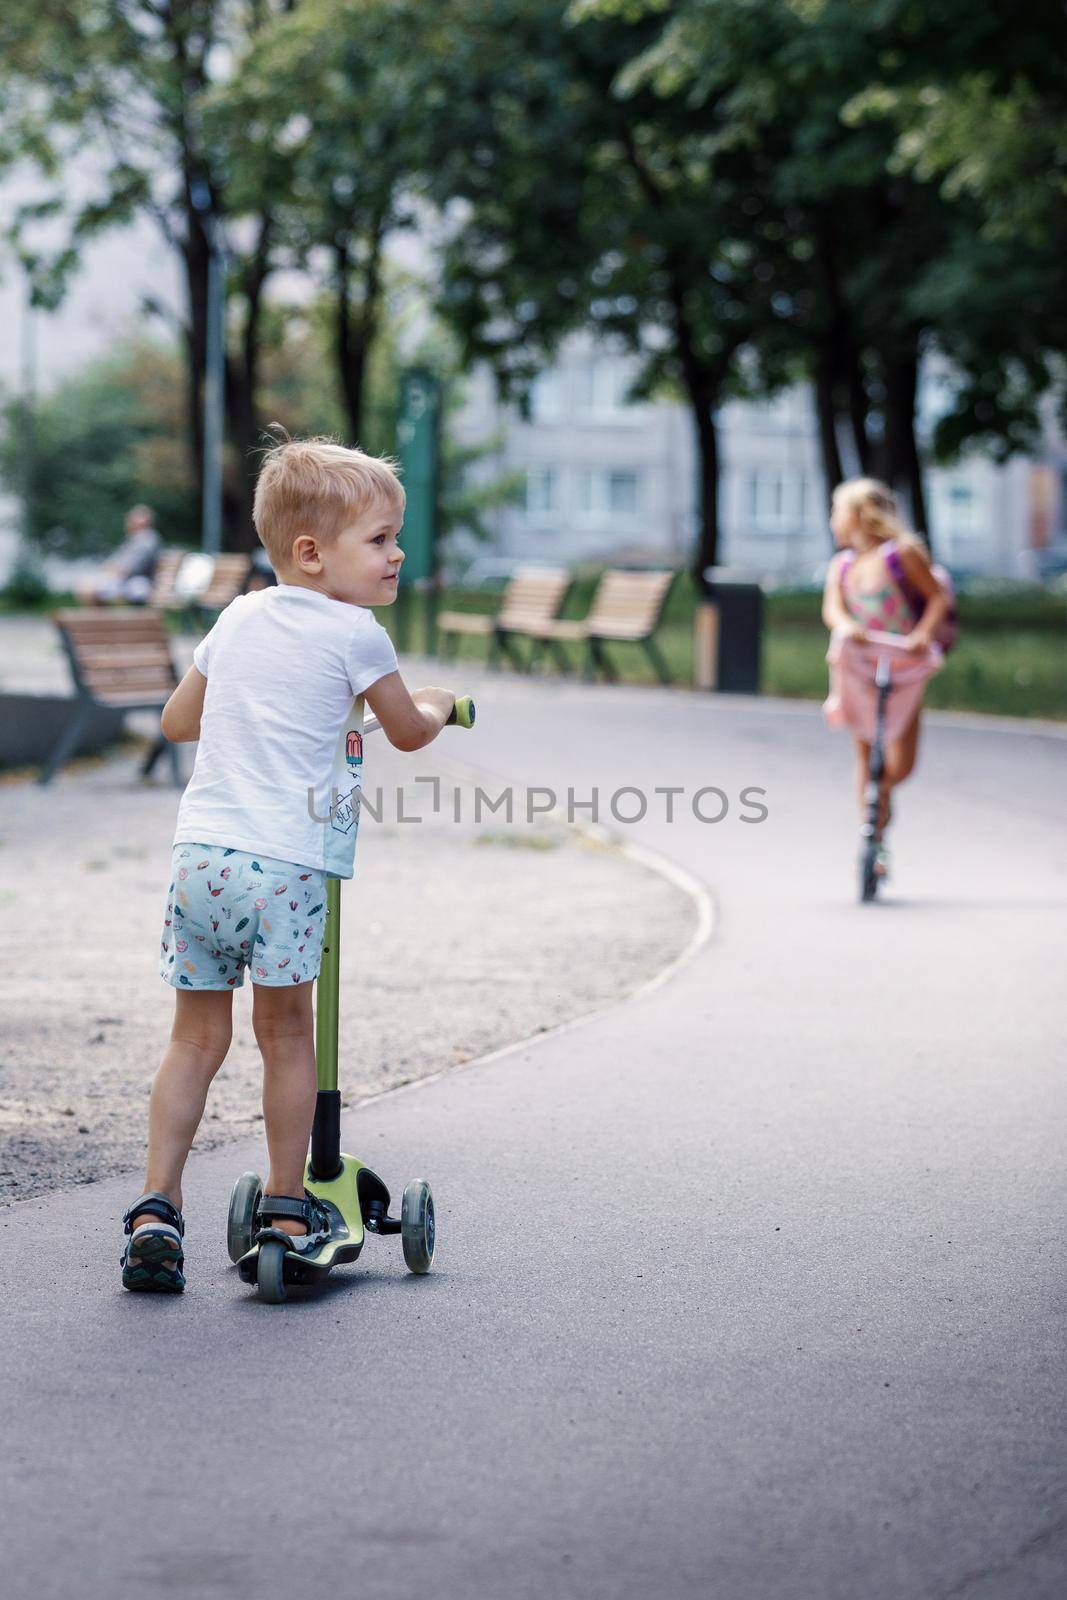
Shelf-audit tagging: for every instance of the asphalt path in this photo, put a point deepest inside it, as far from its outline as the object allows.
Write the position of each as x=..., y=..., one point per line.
x=751, y=1288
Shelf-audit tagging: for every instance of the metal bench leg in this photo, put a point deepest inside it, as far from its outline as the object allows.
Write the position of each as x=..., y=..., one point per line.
x=67, y=743
x=175, y=766
x=148, y=765
x=562, y=658
x=655, y=655
x=513, y=653
x=597, y=660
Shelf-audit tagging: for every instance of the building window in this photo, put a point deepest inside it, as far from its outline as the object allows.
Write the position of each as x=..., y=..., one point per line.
x=960, y=508
x=622, y=493
x=546, y=396
x=766, y=497
x=541, y=491
x=778, y=501
x=600, y=388
x=608, y=492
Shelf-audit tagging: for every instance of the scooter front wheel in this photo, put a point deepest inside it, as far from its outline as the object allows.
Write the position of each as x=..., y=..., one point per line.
x=869, y=877
x=240, y=1224
x=270, y=1272
x=418, y=1232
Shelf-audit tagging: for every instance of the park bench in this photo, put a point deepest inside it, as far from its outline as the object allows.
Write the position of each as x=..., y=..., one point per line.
x=533, y=596
x=193, y=582
x=120, y=660
x=627, y=608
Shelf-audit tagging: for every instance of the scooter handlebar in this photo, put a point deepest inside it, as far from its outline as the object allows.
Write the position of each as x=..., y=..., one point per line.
x=462, y=713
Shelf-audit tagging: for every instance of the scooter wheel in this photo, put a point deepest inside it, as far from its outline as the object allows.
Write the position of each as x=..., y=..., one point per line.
x=270, y=1273
x=869, y=879
x=417, y=1228
x=240, y=1224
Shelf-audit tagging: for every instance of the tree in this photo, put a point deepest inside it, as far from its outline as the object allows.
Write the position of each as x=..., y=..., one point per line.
x=585, y=205
x=323, y=125
x=884, y=269
x=978, y=103
x=132, y=78
x=107, y=438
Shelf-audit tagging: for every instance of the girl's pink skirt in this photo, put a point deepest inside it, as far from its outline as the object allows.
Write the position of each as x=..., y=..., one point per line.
x=853, y=697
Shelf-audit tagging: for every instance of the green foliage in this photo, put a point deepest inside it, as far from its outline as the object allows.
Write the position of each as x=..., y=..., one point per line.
x=105, y=439
x=27, y=587
x=742, y=192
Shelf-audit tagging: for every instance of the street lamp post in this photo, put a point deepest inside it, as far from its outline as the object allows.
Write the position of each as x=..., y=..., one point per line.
x=214, y=371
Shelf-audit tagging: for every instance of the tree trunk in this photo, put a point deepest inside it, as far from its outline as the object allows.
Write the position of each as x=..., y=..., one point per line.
x=707, y=551
x=703, y=385
x=903, y=466
x=353, y=336
x=825, y=402
x=857, y=413
x=242, y=381
x=243, y=429
x=195, y=254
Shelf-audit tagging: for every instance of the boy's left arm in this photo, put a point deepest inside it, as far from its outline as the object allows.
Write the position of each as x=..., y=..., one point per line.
x=918, y=573
x=180, y=722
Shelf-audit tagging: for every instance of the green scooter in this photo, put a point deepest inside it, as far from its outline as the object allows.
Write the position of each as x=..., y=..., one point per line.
x=352, y=1200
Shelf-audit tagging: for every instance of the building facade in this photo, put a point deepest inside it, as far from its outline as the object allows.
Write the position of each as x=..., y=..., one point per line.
x=605, y=478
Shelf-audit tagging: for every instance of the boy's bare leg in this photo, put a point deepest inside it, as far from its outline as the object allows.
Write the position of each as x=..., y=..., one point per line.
x=284, y=1025
x=199, y=1039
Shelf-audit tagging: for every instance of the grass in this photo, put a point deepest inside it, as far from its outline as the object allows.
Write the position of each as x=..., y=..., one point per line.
x=1010, y=658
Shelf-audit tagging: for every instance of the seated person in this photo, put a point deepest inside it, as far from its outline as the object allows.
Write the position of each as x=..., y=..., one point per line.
x=128, y=575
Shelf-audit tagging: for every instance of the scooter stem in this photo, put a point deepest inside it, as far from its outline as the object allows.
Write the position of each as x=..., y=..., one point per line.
x=326, y=1131
x=326, y=994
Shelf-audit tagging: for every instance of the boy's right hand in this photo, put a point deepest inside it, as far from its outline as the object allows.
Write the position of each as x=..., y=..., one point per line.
x=855, y=630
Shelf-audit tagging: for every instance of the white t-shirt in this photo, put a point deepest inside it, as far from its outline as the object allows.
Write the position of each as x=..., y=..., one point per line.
x=278, y=764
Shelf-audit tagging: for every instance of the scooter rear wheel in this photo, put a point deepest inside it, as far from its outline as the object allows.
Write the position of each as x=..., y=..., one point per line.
x=244, y=1203
x=270, y=1272
x=418, y=1231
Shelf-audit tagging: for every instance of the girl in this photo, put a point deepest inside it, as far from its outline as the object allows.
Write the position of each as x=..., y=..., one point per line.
x=878, y=581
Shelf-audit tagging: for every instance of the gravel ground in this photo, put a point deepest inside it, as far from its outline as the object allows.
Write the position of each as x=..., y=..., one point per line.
x=456, y=939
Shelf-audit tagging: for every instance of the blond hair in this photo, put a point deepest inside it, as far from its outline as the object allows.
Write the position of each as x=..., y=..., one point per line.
x=317, y=486
x=875, y=506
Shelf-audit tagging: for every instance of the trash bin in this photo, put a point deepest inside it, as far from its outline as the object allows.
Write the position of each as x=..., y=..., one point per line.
x=728, y=632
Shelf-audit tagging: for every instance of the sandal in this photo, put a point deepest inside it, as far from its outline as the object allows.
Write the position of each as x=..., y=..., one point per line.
x=153, y=1244
x=308, y=1210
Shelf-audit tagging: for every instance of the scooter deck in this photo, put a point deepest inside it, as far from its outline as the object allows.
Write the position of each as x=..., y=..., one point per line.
x=343, y=1197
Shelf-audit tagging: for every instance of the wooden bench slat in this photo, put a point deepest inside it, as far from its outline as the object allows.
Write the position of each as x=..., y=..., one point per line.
x=465, y=622
x=532, y=596
x=101, y=683
x=142, y=699
x=148, y=626
x=146, y=655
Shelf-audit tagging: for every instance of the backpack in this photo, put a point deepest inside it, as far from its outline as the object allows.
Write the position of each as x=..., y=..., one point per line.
x=948, y=628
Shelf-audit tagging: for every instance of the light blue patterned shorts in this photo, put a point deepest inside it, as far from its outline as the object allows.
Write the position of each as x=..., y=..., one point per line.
x=227, y=910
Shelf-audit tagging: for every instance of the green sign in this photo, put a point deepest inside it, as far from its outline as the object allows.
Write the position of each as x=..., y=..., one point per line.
x=417, y=442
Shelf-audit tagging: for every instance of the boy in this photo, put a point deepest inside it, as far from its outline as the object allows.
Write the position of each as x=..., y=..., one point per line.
x=271, y=810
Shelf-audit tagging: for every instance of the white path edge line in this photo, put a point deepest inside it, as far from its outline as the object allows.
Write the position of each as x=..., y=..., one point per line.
x=641, y=856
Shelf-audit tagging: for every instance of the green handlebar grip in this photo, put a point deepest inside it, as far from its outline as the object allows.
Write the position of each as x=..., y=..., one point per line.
x=462, y=713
